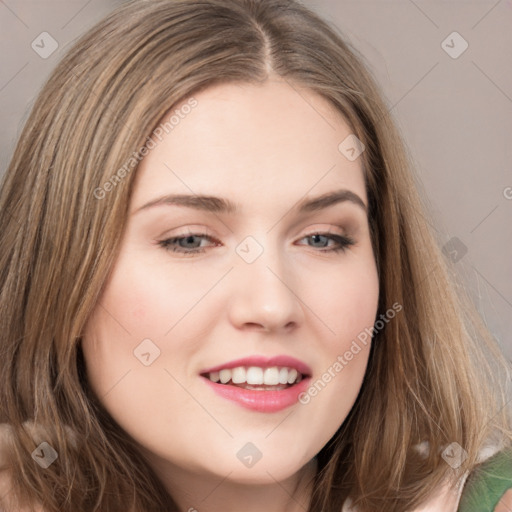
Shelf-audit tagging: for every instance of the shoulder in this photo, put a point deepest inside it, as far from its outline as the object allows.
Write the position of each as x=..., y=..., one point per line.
x=6, y=501
x=483, y=488
x=444, y=500
x=488, y=487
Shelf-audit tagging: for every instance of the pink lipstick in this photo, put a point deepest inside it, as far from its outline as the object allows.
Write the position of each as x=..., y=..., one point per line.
x=260, y=383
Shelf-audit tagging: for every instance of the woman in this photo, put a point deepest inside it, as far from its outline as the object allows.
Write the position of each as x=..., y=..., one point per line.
x=219, y=289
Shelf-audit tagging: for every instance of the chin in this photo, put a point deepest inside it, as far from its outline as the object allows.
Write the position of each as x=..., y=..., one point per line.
x=264, y=471
x=264, y=475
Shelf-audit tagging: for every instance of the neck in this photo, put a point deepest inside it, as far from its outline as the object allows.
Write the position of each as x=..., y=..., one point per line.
x=205, y=492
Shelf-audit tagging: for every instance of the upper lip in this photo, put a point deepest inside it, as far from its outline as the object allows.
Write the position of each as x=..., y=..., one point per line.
x=263, y=362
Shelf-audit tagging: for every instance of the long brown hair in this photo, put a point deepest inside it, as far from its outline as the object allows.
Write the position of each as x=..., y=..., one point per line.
x=434, y=373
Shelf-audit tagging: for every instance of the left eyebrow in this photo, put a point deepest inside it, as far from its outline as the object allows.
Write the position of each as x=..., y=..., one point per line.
x=221, y=205
x=329, y=199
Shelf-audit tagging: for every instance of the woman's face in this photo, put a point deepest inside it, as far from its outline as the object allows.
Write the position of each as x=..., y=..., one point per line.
x=277, y=281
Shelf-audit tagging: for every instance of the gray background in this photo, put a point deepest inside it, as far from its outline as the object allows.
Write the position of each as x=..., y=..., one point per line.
x=455, y=113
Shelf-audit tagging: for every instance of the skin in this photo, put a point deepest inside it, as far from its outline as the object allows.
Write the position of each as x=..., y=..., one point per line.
x=198, y=318
x=264, y=147
x=505, y=504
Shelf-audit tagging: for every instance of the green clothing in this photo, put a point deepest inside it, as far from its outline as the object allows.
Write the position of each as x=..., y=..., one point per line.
x=487, y=483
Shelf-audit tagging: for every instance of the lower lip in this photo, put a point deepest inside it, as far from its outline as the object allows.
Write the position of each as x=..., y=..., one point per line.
x=261, y=400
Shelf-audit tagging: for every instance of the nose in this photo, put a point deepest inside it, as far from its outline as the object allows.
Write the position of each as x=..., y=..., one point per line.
x=265, y=294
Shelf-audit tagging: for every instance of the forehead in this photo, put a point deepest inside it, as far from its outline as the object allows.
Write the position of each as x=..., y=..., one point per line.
x=253, y=143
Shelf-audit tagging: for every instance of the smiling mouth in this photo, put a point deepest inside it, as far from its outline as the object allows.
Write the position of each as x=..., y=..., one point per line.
x=257, y=378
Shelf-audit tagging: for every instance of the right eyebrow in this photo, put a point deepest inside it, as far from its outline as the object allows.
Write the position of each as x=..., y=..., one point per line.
x=198, y=202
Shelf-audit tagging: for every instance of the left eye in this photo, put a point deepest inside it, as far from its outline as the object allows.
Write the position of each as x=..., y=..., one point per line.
x=185, y=244
x=342, y=241
x=191, y=244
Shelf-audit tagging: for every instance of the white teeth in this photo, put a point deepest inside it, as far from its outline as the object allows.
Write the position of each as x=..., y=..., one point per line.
x=271, y=376
x=292, y=375
x=283, y=376
x=254, y=375
x=238, y=375
x=225, y=376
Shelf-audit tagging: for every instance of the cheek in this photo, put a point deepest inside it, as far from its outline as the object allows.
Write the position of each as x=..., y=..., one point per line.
x=129, y=367
x=345, y=301
x=142, y=302
x=147, y=299
x=141, y=318
x=347, y=305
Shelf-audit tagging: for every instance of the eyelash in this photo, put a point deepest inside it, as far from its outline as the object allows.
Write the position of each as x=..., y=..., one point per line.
x=343, y=241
